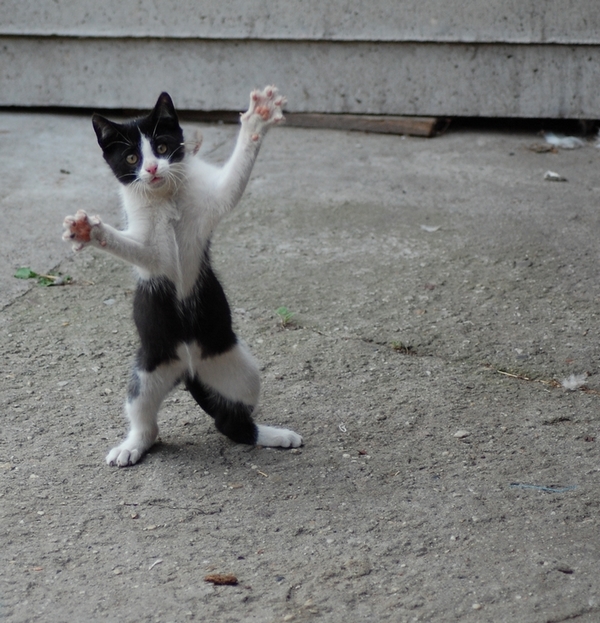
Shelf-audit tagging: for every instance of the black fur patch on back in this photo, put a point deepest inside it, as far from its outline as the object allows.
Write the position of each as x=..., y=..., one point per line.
x=120, y=140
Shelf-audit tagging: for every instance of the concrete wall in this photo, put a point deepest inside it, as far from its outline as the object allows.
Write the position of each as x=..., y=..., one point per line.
x=521, y=58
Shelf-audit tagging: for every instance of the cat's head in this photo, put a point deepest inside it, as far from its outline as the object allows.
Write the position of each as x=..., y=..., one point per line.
x=144, y=152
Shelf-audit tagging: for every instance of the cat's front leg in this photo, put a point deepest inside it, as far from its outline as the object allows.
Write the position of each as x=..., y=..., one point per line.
x=82, y=230
x=263, y=112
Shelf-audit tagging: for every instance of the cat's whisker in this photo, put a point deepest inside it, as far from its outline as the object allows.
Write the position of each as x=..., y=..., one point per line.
x=178, y=174
x=139, y=187
x=126, y=143
x=155, y=127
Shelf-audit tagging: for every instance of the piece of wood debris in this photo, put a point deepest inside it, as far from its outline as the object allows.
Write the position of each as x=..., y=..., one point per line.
x=382, y=124
x=385, y=124
x=543, y=148
x=221, y=579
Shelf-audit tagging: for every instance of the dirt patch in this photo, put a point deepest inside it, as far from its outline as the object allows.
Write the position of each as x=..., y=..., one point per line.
x=414, y=497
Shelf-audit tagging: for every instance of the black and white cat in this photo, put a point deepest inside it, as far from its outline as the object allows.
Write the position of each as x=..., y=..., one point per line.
x=173, y=200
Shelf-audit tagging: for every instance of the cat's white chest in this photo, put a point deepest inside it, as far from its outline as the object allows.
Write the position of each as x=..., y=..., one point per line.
x=153, y=227
x=191, y=241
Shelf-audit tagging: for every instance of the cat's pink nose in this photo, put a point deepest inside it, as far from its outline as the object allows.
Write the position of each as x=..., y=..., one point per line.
x=151, y=168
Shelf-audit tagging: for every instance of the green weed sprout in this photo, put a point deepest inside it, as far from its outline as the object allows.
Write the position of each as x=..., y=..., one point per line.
x=285, y=316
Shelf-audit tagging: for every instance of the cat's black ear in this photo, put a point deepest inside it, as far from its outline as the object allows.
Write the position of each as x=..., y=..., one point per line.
x=164, y=108
x=105, y=129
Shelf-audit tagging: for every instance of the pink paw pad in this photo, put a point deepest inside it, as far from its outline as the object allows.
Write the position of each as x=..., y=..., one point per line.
x=81, y=230
x=263, y=111
x=78, y=229
x=265, y=105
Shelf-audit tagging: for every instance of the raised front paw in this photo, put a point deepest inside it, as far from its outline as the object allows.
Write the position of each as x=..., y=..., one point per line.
x=79, y=229
x=264, y=110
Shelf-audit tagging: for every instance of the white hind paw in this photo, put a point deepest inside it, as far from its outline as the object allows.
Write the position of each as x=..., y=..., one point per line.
x=272, y=437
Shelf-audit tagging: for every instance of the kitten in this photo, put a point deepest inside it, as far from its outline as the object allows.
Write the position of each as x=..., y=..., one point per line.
x=173, y=200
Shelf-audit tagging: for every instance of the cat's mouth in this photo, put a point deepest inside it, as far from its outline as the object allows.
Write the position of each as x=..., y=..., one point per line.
x=156, y=180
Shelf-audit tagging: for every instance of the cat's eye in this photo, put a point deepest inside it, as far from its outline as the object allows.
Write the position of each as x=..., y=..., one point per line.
x=161, y=149
x=132, y=158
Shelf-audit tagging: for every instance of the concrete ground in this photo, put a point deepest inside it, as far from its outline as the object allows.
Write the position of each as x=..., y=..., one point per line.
x=442, y=290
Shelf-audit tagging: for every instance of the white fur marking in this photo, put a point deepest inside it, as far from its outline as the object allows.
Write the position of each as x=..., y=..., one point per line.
x=233, y=374
x=272, y=437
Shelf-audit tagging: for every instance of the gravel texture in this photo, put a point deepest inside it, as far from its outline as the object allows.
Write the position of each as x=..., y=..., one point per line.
x=442, y=290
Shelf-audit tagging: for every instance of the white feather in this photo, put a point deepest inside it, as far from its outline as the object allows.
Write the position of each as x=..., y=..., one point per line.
x=573, y=382
x=564, y=142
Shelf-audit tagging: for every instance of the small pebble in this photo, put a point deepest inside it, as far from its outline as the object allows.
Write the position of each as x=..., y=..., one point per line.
x=564, y=569
x=551, y=176
x=461, y=434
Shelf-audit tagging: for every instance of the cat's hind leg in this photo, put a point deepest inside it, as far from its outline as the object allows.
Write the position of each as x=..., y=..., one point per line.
x=232, y=418
x=227, y=387
x=145, y=394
